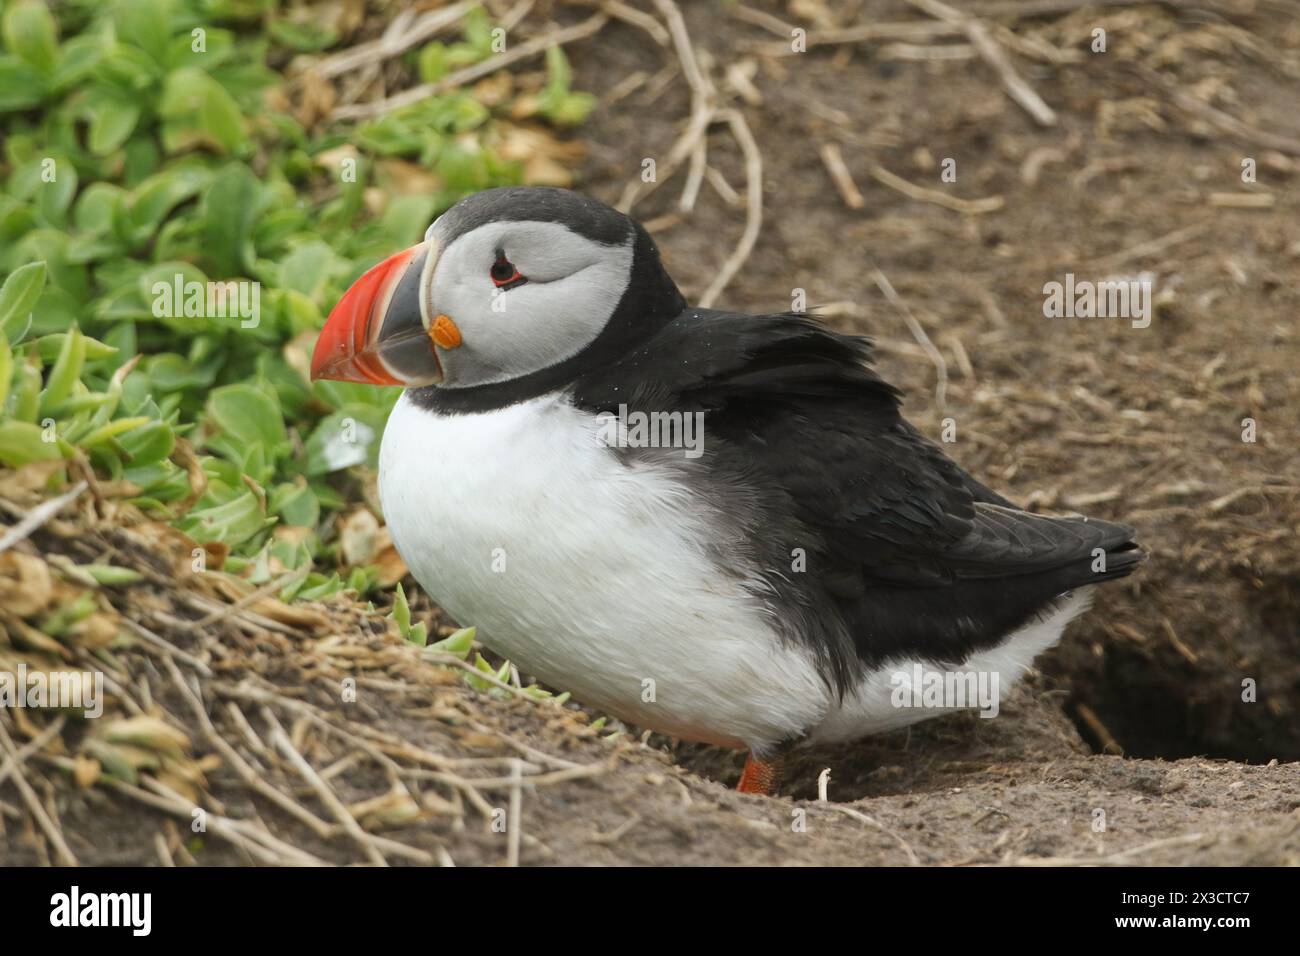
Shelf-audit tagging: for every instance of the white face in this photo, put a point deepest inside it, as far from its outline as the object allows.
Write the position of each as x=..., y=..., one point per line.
x=568, y=289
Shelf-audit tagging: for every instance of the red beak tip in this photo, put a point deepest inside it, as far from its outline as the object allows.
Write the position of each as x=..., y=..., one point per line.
x=323, y=363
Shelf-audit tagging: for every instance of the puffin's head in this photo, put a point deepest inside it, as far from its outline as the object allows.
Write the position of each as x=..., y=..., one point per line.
x=508, y=284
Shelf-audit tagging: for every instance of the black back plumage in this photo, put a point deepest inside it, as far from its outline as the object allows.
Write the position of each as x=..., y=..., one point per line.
x=805, y=448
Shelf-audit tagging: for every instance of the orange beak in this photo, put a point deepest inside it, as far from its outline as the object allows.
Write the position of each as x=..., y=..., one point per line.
x=380, y=332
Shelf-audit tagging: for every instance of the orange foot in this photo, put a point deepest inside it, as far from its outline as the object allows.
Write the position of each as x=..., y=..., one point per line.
x=760, y=776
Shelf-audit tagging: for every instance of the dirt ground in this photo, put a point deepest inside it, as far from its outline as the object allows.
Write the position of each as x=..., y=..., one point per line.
x=1134, y=744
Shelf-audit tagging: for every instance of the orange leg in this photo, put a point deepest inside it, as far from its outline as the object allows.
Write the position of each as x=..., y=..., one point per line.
x=760, y=776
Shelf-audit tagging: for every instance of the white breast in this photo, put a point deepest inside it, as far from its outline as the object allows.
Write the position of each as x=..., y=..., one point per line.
x=590, y=573
x=594, y=575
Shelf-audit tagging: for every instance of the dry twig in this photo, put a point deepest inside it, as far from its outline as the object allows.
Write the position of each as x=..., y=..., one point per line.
x=919, y=333
x=1016, y=87
x=833, y=159
x=39, y=515
x=469, y=74
x=47, y=823
x=970, y=207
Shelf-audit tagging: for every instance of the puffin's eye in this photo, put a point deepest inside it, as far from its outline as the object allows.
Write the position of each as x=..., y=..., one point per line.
x=504, y=274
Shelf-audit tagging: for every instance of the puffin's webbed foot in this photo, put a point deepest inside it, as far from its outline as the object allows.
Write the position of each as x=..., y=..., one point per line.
x=761, y=776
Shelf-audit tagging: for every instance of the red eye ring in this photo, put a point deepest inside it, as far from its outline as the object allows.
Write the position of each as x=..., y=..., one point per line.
x=504, y=273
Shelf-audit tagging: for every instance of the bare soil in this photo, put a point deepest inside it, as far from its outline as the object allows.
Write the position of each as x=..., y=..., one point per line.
x=1134, y=743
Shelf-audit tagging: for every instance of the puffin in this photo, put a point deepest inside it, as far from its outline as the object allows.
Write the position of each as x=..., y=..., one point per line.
x=764, y=566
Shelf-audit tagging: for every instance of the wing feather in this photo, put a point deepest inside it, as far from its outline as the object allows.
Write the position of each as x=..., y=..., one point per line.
x=911, y=553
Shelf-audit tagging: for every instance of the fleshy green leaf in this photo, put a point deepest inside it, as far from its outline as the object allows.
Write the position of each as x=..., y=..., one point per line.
x=21, y=86
x=459, y=643
x=197, y=105
x=112, y=120
x=109, y=574
x=29, y=32
x=24, y=442
x=228, y=214
x=66, y=372
x=247, y=414
x=17, y=296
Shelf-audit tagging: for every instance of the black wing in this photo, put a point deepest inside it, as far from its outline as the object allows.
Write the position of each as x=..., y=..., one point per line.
x=906, y=554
